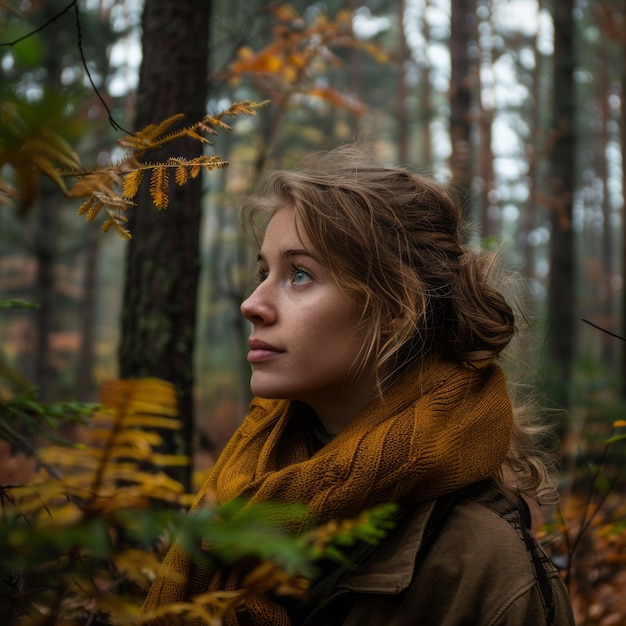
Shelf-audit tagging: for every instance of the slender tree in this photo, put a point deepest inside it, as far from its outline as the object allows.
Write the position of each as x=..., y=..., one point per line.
x=623, y=146
x=488, y=202
x=425, y=95
x=162, y=264
x=402, y=112
x=562, y=285
x=462, y=20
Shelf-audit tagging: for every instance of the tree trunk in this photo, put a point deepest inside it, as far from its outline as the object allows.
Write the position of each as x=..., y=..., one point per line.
x=562, y=284
x=462, y=28
x=623, y=146
x=488, y=198
x=425, y=96
x=85, y=386
x=162, y=265
x=534, y=154
x=402, y=114
x=355, y=78
x=47, y=255
x=604, y=299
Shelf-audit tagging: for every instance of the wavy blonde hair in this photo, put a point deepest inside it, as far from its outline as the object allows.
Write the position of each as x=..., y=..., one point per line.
x=393, y=239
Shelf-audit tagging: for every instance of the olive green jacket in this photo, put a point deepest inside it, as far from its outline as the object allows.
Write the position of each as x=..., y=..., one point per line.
x=477, y=571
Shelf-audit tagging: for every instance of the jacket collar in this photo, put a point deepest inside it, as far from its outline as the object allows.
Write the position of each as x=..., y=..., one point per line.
x=391, y=566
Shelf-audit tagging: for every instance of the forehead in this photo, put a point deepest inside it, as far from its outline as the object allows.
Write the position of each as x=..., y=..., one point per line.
x=284, y=230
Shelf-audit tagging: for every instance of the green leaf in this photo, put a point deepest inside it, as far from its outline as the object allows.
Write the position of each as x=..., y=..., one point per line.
x=16, y=303
x=28, y=52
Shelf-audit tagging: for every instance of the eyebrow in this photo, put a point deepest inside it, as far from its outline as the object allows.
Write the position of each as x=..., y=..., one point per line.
x=287, y=254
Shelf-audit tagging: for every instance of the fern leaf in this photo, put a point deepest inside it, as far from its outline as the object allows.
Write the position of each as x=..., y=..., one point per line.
x=190, y=132
x=148, y=137
x=245, y=107
x=86, y=206
x=113, y=201
x=160, y=128
x=115, y=214
x=103, y=180
x=159, y=187
x=213, y=162
x=47, y=167
x=111, y=223
x=93, y=210
x=121, y=231
x=131, y=183
x=182, y=175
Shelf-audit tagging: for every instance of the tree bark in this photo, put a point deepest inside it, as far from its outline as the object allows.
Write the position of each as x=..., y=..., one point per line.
x=488, y=198
x=158, y=322
x=562, y=283
x=462, y=26
x=623, y=146
x=402, y=113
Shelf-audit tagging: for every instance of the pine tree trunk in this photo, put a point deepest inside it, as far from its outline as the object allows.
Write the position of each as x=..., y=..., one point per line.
x=402, y=114
x=562, y=286
x=623, y=146
x=425, y=96
x=462, y=20
x=163, y=261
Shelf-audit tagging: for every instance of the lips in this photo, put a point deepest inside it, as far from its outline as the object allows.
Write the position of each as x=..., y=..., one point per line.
x=261, y=351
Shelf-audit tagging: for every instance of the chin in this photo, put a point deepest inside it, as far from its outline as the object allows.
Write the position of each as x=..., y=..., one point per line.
x=270, y=392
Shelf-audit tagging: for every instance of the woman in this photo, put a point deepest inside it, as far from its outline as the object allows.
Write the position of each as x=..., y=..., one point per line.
x=373, y=347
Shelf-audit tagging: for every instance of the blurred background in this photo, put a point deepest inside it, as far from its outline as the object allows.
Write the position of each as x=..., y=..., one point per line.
x=518, y=104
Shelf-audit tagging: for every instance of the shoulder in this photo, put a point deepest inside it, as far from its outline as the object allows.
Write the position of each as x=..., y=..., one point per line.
x=475, y=568
x=478, y=545
x=490, y=570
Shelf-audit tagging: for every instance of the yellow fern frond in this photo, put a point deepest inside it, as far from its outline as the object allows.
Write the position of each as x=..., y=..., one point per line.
x=148, y=137
x=113, y=201
x=117, y=218
x=103, y=180
x=91, y=207
x=190, y=132
x=161, y=127
x=182, y=175
x=49, y=169
x=53, y=147
x=130, y=185
x=210, y=120
x=212, y=162
x=115, y=207
x=159, y=182
x=121, y=231
x=245, y=107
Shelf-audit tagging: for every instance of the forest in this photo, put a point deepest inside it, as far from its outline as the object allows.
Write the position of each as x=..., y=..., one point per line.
x=130, y=131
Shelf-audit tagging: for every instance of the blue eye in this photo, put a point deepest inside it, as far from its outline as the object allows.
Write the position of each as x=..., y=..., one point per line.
x=299, y=275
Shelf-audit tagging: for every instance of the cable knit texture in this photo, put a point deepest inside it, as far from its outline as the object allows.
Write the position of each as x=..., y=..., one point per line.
x=433, y=432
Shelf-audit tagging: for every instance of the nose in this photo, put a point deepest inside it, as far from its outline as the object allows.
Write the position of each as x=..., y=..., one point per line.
x=257, y=307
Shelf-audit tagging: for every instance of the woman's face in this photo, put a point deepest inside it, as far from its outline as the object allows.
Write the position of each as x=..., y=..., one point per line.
x=305, y=334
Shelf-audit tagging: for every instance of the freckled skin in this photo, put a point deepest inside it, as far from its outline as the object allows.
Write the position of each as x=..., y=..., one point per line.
x=300, y=310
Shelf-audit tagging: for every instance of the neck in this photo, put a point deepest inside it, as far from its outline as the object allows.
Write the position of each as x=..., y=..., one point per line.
x=337, y=414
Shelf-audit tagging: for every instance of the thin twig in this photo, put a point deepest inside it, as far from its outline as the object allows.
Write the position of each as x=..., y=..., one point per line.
x=73, y=4
x=604, y=330
x=79, y=34
x=44, y=25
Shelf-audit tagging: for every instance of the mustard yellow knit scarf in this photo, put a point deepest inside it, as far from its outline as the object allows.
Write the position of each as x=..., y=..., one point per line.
x=433, y=432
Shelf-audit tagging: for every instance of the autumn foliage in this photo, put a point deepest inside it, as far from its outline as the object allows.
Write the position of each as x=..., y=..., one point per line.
x=30, y=148
x=85, y=536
